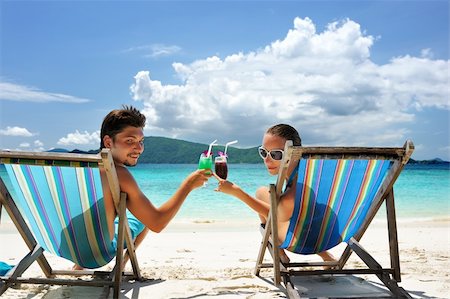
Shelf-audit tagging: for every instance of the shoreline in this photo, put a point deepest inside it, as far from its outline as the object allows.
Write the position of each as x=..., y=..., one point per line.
x=249, y=224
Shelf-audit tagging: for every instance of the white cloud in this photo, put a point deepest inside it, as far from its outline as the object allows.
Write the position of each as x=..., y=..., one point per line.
x=38, y=143
x=24, y=145
x=155, y=50
x=16, y=131
x=163, y=50
x=323, y=83
x=427, y=53
x=78, y=138
x=21, y=93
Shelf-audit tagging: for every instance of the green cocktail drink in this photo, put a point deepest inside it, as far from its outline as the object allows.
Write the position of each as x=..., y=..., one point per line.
x=205, y=162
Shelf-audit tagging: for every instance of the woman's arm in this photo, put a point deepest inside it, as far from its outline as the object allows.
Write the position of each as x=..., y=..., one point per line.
x=261, y=203
x=260, y=206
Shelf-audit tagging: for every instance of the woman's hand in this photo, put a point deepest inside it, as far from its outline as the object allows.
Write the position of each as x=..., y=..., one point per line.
x=226, y=187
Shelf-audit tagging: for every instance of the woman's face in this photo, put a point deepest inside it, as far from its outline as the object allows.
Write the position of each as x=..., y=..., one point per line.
x=272, y=142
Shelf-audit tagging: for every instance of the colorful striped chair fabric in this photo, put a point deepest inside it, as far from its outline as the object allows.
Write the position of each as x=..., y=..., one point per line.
x=64, y=207
x=56, y=202
x=332, y=201
x=338, y=192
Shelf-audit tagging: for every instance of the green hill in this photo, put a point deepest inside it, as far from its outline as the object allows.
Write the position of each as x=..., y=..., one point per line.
x=160, y=150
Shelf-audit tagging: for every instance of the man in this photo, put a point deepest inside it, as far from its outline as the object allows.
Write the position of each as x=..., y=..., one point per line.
x=122, y=132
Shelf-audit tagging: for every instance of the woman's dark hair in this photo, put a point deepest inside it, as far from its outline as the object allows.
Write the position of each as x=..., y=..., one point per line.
x=118, y=119
x=287, y=132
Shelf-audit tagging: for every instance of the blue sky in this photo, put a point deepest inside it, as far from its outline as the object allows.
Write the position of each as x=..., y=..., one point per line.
x=353, y=73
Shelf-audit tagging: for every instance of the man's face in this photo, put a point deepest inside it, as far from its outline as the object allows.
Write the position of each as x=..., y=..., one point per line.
x=127, y=146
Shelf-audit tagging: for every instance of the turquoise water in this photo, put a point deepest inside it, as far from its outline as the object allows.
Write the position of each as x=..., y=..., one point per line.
x=421, y=191
x=160, y=181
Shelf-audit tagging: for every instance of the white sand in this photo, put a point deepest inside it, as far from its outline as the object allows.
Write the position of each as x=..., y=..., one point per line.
x=199, y=260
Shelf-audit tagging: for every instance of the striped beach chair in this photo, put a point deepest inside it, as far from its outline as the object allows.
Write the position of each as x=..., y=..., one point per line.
x=56, y=203
x=339, y=190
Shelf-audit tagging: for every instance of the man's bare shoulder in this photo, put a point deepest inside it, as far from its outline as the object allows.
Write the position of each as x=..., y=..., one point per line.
x=123, y=173
x=126, y=181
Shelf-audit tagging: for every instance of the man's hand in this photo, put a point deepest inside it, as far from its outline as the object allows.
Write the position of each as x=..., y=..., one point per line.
x=198, y=178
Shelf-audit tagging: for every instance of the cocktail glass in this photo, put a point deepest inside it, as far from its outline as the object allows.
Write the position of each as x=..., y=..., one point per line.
x=205, y=162
x=220, y=167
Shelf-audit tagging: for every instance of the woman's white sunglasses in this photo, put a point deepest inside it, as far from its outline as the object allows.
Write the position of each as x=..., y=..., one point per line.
x=276, y=154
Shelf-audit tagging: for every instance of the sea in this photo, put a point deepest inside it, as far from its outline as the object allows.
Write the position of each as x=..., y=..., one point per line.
x=422, y=192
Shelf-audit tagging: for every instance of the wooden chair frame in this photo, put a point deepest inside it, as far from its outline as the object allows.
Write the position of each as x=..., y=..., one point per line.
x=105, y=279
x=388, y=276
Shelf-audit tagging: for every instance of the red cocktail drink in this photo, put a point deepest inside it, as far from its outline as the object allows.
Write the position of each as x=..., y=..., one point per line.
x=220, y=167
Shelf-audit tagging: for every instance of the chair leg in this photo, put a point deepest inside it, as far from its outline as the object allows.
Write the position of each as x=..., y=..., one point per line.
x=263, y=247
x=274, y=226
x=393, y=239
x=119, y=255
x=271, y=229
x=21, y=225
x=124, y=235
x=390, y=283
x=22, y=266
x=131, y=251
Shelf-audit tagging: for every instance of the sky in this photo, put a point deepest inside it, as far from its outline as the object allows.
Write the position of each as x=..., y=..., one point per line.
x=344, y=73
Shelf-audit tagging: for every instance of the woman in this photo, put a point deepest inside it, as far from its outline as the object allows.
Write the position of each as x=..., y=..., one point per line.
x=271, y=152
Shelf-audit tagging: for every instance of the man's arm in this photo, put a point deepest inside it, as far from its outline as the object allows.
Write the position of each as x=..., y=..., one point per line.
x=156, y=219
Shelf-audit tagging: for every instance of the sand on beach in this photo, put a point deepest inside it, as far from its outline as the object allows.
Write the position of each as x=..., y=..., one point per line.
x=200, y=259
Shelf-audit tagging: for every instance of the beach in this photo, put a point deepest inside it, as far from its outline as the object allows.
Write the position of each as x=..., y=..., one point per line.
x=202, y=259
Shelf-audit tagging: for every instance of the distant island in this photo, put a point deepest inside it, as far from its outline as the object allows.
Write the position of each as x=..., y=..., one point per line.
x=163, y=150
x=432, y=161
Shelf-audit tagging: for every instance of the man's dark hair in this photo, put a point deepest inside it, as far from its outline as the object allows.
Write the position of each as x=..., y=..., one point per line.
x=287, y=132
x=118, y=119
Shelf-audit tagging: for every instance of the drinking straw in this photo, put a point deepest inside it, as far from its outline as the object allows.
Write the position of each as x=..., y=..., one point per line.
x=229, y=143
x=210, y=147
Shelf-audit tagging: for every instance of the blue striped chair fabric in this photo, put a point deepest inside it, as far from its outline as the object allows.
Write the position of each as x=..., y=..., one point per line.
x=332, y=200
x=64, y=207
